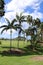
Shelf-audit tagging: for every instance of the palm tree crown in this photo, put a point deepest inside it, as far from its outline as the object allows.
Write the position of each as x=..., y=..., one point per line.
x=9, y=26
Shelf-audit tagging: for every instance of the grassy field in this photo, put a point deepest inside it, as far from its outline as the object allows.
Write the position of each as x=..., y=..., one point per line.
x=25, y=59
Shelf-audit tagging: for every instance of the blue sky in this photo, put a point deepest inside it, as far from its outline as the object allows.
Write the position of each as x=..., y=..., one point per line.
x=32, y=7
x=7, y=1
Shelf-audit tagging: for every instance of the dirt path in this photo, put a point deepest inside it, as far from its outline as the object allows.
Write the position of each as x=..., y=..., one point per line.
x=37, y=58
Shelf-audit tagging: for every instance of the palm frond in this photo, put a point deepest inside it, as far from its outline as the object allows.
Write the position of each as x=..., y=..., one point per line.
x=18, y=26
x=7, y=21
x=21, y=30
x=3, y=30
x=29, y=19
x=14, y=20
x=23, y=20
x=17, y=16
x=22, y=17
x=3, y=26
x=21, y=14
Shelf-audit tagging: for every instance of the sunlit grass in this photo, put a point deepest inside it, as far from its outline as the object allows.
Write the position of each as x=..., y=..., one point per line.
x=14, y=43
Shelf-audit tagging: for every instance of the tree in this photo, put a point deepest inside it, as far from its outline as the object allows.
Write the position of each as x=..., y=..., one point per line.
x=9, y=26
x=2, y=8
x=19, y=18
x=32, y=30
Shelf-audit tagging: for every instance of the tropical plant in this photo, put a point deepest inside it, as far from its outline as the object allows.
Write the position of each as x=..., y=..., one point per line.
x=32, y=30
x=19, y=18
x=8, y=26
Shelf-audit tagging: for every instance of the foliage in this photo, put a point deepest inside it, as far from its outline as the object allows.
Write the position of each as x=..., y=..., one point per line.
x=34, y=29
x=2, y=8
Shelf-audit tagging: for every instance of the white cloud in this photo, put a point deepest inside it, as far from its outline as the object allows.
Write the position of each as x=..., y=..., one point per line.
x=9, y=15
x=37, y=14
x=19, y=6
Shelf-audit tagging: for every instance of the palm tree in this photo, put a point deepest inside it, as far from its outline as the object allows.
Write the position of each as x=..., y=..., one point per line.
x=2, y=8
x=19, y=18
x=8, y=26
x=32, y=29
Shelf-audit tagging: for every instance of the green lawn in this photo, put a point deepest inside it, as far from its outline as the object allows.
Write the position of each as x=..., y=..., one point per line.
x=24, y=59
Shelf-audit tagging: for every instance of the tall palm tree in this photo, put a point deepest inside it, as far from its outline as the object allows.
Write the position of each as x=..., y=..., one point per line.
x=2, y=3
x=19, y=18
x=8, y=26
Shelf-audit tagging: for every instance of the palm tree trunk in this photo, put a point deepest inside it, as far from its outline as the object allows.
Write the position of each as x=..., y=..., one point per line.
x=10, y=39
x=18, y=41
x=24, y=38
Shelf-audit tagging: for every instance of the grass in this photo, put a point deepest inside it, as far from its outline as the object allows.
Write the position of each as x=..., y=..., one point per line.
x=24, y=59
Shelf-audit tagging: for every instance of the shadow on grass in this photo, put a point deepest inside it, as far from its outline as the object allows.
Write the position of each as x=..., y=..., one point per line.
x=22, y=51
x=6, y=47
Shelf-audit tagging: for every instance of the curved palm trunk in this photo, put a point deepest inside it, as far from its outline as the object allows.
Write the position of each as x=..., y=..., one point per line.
x=10, y=39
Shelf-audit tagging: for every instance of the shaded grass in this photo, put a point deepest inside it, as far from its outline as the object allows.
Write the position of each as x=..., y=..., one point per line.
x=10, y=58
